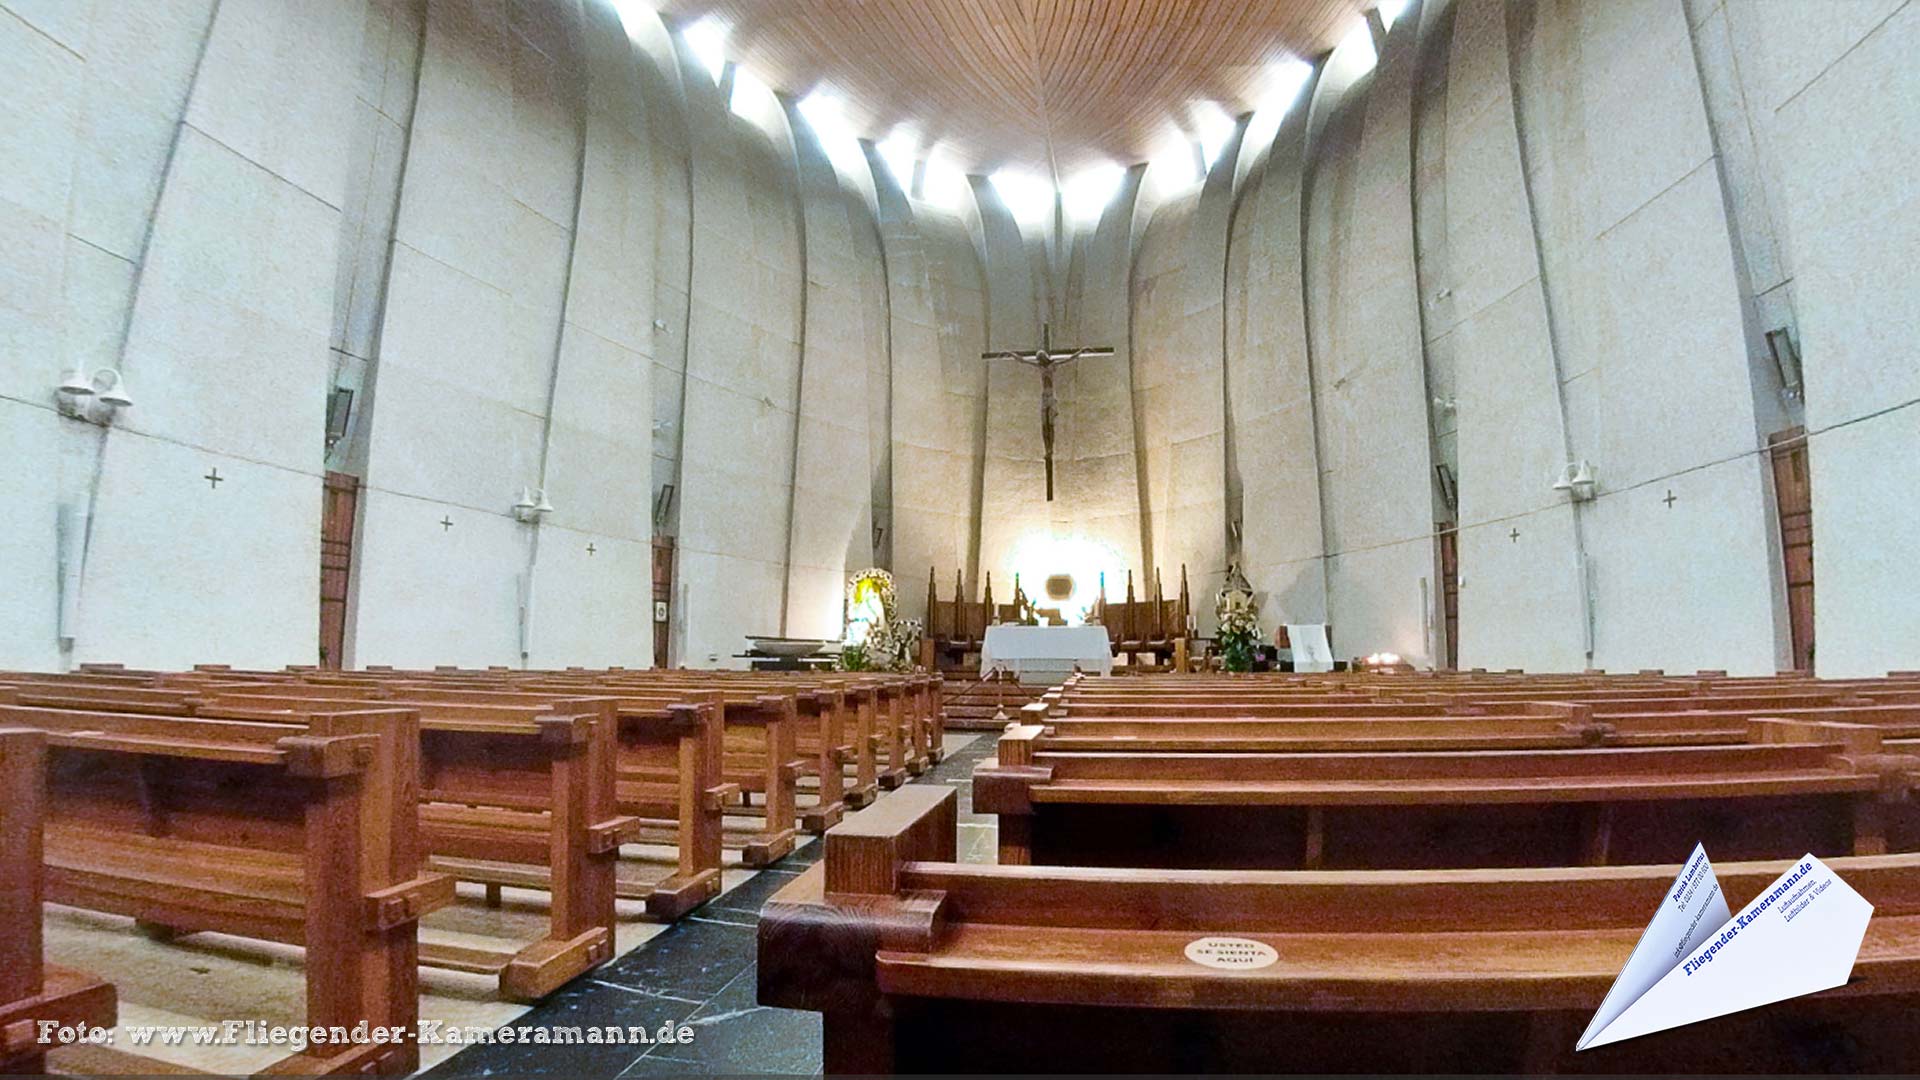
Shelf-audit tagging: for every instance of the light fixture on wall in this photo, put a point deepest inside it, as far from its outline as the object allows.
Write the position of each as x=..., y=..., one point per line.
x=110, y=389
x=1449, y=488
x=339, y=410
x=96, y=399
x=1786, y=359
x=76, y=384
x=532, y=506
x=1577, y=481
x=662, y=505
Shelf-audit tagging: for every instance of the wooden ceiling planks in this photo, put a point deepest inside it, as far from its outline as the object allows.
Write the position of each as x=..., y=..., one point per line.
x=1047, y=85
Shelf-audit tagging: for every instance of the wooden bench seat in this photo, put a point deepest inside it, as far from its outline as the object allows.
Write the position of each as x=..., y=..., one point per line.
x=184, y=885
x=1829, y=789
x=919, y=963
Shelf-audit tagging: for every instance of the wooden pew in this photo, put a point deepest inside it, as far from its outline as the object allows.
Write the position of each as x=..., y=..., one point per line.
x=514, y=793
x=1829, y=789
x=303, y=834
x=921, y=729
x=667, y=773
x=1552, y=726
x=510, y=794
x=756, y=753
x=816, y=736
x=32, y=990
x=921, y=964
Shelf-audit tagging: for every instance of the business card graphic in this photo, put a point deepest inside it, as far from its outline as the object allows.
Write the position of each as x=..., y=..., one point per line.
x=1697, y=959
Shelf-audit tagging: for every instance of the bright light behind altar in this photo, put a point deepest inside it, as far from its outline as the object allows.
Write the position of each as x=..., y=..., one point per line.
x=1038, y=556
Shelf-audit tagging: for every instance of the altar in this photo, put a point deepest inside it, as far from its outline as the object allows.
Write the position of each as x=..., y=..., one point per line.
x=1046, y=655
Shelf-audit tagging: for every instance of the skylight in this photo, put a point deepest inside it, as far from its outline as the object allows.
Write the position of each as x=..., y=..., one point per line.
x=1027, y=197
x=897, y=151
x=825, y=113
x=1212, y=127
x=708, y=40
x=1086, y=195
x=945, y=184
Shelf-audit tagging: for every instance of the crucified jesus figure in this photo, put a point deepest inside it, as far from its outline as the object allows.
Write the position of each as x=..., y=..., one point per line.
x=1046, y=359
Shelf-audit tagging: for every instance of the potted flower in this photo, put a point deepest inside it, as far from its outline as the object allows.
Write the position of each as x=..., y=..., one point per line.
x=1239, y=631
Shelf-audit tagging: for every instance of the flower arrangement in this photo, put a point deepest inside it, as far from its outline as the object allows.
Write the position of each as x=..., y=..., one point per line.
x=893, y=645
x=1239, y=630
x=875, y=640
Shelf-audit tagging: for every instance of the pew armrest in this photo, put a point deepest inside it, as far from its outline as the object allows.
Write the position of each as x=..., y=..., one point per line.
x=1851, y=739
x=608, y=835
x=719, y=796
x=1007, y=789
x=322, y=756
x=397, y=905
x=865, y=852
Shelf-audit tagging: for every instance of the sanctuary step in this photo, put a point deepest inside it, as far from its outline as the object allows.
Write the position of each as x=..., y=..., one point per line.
x=974, y=705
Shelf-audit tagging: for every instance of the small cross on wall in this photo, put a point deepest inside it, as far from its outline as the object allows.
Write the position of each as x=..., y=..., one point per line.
x=590, y=548
x=446, y=523
x=1514, y=536
x=1670, y=499
x=213, y=478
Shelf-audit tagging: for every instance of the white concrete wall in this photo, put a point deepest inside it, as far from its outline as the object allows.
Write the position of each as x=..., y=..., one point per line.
x=833, y=489
x=171, y=208
x=1640, y=273
x=1094, y=524
x=743, y=377
x=1014, y=511
x=1273, y=464
x=1363, y=322
x=478, y=288
x=1520, y=584
x=1831, y=90
x=543, y=251
x=936, y=394
x=1179, y=347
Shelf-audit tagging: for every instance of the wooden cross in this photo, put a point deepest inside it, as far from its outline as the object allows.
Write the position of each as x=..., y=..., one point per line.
x=446, y=523
x=591, y=549
x=213, y=478
x=1046, y=359
x=1669, y=500
x=1514, y=536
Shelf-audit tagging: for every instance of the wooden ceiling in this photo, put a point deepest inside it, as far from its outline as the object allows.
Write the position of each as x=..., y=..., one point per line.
x=1048, y=85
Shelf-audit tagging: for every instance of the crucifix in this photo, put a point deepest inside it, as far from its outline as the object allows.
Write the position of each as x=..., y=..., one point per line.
x=1046, y=359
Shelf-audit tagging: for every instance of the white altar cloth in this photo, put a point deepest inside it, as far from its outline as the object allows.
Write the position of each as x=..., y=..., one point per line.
x=1046, y=653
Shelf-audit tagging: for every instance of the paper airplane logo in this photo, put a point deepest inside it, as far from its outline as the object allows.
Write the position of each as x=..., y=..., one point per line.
x=1696, y=959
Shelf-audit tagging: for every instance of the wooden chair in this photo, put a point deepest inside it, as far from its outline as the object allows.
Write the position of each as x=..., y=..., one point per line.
x=1155, y=628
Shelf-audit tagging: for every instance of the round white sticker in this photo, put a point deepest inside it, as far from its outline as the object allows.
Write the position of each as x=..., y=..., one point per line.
x=1231, y=953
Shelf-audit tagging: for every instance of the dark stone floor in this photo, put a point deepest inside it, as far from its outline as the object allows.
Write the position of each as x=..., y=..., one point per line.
x=700, y=972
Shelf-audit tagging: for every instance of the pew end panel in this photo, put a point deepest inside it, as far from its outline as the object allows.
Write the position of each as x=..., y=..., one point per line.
x=33, y=991
x=819, y=936
x=302, y=832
